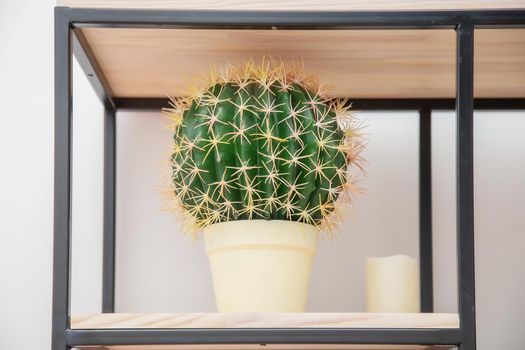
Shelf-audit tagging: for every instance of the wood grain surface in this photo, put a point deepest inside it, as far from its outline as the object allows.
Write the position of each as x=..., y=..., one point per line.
x=354, y=63
x=268, y=347
x=298, y=5
x=268, y=320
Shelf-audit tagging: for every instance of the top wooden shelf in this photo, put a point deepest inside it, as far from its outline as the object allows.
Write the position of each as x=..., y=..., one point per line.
x=157, y=62
x=154, y=63
x=298, y=5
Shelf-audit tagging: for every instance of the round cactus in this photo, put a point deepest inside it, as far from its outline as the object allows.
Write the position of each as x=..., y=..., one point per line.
x=263, y=141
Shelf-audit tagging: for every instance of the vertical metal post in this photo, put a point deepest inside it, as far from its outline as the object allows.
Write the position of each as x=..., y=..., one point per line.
x=425, y=210
x=465, y=183
x=62, y=182
x=108, y=249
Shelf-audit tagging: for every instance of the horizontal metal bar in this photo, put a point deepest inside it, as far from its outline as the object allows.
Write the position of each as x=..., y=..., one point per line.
x=92, y=70
x=437, y=104
x=110, y=337
x=147, y=18
x=361, y=104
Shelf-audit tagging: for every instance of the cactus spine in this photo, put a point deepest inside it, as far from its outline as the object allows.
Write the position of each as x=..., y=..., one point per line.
x=263, y=141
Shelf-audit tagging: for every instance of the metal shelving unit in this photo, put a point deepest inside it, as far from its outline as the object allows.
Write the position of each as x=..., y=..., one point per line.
x=69, y=39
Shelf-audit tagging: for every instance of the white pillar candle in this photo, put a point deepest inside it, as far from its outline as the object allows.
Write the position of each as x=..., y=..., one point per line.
x=392, y=284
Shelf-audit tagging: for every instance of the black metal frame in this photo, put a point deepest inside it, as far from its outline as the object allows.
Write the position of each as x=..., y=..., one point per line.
x=67, y=40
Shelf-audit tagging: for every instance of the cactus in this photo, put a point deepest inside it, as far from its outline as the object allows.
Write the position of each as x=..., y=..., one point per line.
x=263, y=141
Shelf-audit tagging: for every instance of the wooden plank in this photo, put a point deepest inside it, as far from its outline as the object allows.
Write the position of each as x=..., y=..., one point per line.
x=299, y=5
x=268, y=347
x=354, y=63
x=262, y=320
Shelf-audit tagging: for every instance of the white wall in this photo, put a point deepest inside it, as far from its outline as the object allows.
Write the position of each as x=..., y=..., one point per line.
x=159, y=270
x=26, y=173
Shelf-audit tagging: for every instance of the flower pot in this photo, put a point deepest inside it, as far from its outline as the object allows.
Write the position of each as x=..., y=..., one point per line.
x=260, y=265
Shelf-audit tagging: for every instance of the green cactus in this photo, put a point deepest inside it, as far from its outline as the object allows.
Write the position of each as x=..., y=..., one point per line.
x=263, y=142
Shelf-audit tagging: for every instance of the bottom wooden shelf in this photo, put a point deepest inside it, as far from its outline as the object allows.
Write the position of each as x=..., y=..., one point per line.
x=266, y=320
x=269, y=347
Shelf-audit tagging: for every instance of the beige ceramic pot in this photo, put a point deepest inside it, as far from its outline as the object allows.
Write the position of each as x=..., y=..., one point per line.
x=260, y=265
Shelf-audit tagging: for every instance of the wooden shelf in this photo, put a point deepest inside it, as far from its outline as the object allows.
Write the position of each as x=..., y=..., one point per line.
x=298, y=5
x=269, y=347
x=262, y=320
x=152, y=62
x=259, y=320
